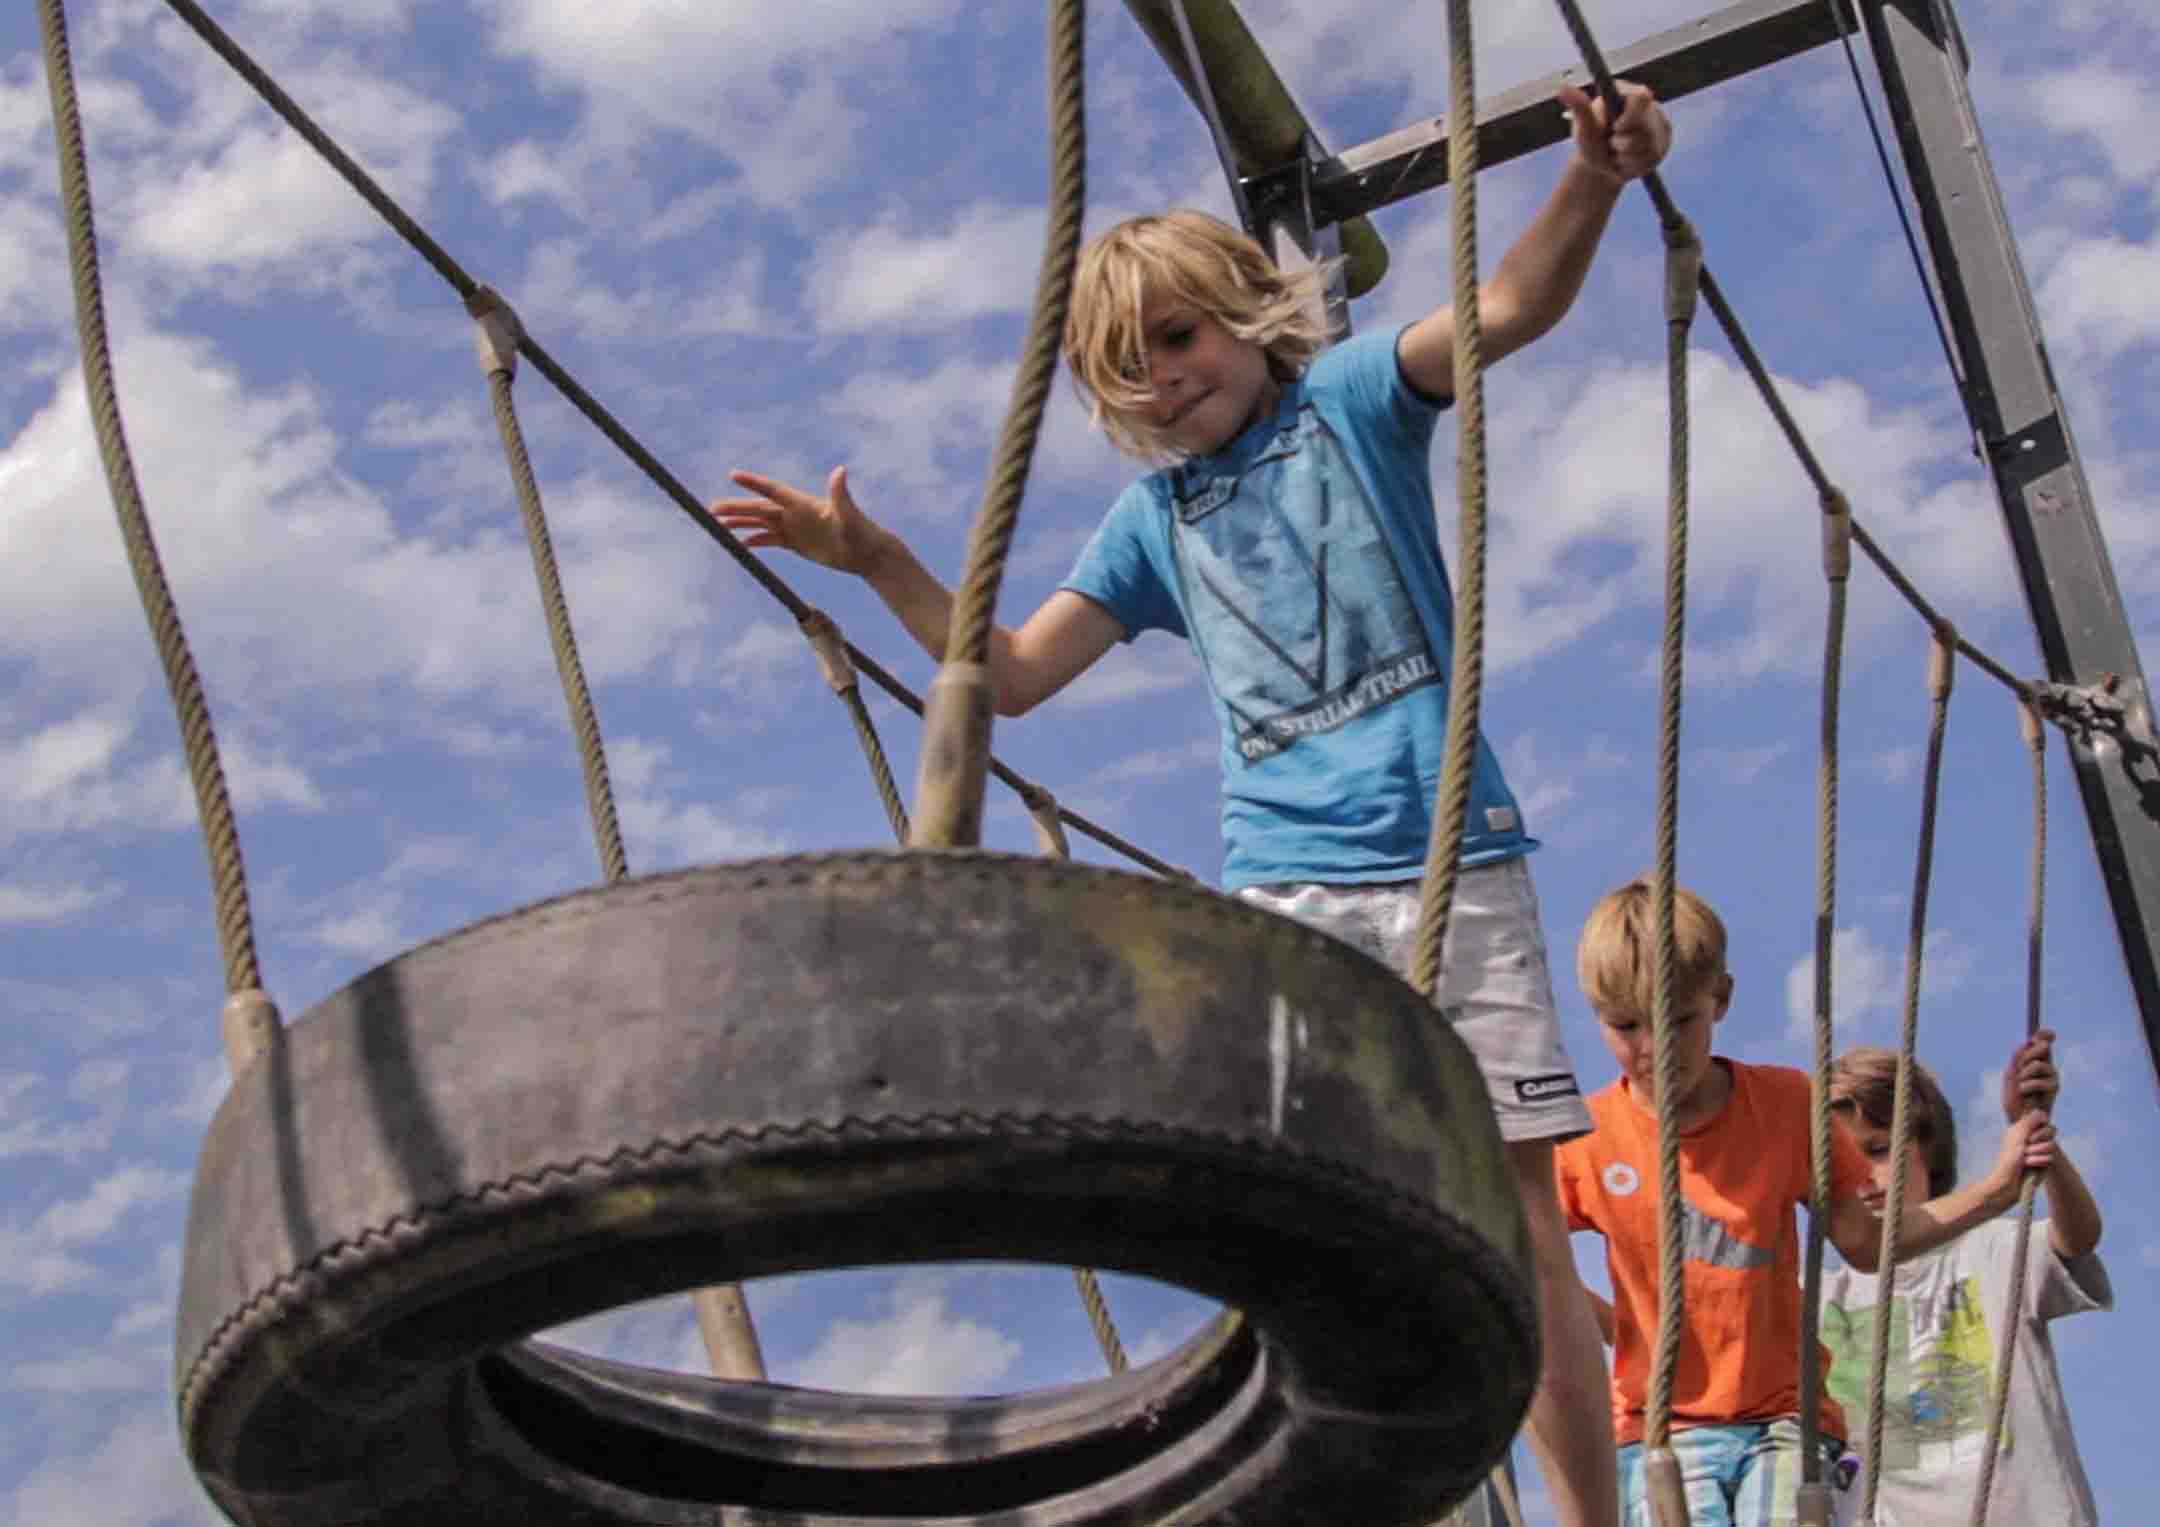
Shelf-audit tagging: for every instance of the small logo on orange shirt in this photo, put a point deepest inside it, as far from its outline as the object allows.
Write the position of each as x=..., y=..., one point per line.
x=1621, y=1179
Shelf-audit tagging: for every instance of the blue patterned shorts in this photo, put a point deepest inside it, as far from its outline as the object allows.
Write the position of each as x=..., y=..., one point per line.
x=1743, y=1475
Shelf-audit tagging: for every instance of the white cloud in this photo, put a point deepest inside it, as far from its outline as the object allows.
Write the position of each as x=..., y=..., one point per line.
x=291, y=575
x=561, y=289
x=2102, y=103
x=91, y=1218
x=68, y=776
x=371, y=925
x=882, y=277
x=1157, y=763
x=658, y=1333
x=28, y=1129
x=767, y=88
x=134, y=1477
x=83, y=1373
x=660, y=830
x=46, y=902
x=43, y=1257
x=919, y=1348
x=1868, y=981
x=1572, y=441
x=2096, y=297
x=1130, y=670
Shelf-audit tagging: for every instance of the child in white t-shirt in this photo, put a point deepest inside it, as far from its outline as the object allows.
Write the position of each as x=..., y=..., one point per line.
x=1947, y=1310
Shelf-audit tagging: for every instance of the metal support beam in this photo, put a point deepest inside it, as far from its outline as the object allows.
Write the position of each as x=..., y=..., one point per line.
x=2024, y=436
x=1280, y=161
x=1263, y=130
x=1708, y=51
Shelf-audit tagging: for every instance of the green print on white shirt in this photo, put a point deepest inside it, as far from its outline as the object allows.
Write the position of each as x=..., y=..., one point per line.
x=1939, y=1378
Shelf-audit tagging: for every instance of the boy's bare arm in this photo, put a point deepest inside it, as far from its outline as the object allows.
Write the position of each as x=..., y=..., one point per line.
x=1856, y=1233
x=1537, y=280
x=1051, y=648
x=2073, y=1213
x=2031, y=1081
x=1601, y=1307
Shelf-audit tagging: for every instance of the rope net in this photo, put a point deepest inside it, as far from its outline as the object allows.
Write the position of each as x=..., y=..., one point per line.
x=956, y=749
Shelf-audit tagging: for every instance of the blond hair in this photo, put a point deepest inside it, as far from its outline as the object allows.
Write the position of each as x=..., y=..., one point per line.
x=1191, y=258
x=1617, y=958
x=1863, y=1083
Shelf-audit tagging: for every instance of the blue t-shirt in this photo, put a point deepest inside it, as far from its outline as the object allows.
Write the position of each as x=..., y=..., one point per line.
x=1303, y=563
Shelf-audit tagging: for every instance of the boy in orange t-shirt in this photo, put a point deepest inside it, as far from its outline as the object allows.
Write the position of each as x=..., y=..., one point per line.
x=1744, y=1166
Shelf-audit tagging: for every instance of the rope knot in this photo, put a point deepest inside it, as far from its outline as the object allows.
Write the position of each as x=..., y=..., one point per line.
x=496, y=339
x=1683, y=271
x=1942, y=660
x=1049, y=826
x=250, y=1025
x=832, y=654
x=2030, y=725
x=1836, y=535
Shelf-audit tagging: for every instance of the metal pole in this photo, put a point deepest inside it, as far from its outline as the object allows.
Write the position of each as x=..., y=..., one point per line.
x=2023, y=434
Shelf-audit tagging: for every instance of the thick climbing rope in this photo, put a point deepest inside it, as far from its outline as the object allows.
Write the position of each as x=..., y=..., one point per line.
x=956, y=741
x=495, y=337
x=1661, y=1469
x=831, y=652
x=530, y=348
x=1466, y=679
x=1813, y=1506
x=2006, y=1351
x=1942, y=670
x=1443, y=853
x=228, y=873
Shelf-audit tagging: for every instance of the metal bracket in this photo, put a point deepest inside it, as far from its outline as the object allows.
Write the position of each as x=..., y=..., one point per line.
x=2114, y=713
x=1280, y=201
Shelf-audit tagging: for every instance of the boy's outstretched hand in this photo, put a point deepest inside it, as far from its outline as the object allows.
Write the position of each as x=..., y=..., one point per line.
x=1625, y=149
x=831, y=531
x=2031, y=1081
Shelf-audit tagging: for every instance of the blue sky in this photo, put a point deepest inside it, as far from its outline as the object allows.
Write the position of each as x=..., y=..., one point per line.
x=790, y=237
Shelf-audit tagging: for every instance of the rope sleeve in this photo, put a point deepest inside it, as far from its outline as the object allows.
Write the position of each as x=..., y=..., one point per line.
x=831, y=652
x=1049, y=830
x=496, y=332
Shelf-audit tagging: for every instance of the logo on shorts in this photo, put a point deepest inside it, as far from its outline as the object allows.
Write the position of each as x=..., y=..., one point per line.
x=1535, y=1089
x=1621, y=1179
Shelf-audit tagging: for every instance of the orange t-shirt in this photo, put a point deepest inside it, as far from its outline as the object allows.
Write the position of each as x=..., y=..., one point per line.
x=1741, y=1174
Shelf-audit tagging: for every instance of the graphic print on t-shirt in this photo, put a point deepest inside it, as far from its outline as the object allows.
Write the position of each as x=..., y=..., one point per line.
x=1939, y=1377
x=1296, y=603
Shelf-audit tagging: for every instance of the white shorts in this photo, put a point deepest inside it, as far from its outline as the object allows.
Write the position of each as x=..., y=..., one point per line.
x=1495, y=986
